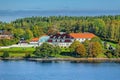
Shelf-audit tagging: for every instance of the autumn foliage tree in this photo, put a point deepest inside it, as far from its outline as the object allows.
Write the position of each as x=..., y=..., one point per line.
x=81, y=50
x=94, y=49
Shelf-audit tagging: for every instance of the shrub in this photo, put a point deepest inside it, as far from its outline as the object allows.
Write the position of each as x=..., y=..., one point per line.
x=27, y=55
x=5, y=54
x=45, y=50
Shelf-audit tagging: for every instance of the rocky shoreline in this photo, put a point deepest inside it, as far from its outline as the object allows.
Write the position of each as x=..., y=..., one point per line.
x=74, y=60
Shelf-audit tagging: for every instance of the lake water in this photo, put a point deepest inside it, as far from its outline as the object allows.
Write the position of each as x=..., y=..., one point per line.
x=27, y=70
x=11, y=15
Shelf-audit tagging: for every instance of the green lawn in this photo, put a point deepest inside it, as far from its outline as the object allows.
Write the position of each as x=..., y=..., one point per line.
x=65, y=49
x=102, y=55
x=18, y=52
x=112, y=44
x=18, y=49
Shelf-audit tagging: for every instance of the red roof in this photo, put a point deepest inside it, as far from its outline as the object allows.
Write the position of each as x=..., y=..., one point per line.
x=82, y=35
x=61, y=36
x=35, y=40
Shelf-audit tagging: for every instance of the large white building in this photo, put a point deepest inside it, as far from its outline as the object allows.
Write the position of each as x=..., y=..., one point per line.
x=65, y=40
x=61, y=39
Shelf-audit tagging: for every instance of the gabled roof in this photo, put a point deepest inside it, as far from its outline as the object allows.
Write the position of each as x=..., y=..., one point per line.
x=82, y=35
x=60, y=36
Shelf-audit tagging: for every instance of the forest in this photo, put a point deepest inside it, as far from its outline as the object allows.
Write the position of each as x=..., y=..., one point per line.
x=106, y=27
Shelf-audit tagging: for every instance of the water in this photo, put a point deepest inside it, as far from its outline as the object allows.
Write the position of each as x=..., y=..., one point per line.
x=26, y=70
x=11, y=15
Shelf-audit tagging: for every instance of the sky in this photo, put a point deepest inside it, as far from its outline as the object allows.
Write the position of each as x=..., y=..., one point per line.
x=11, y=10
x=59, y=4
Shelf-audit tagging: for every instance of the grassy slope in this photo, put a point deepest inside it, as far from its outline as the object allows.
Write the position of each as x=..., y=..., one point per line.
x=18, y=52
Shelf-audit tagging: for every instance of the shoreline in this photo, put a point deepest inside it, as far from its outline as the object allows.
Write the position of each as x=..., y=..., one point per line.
x=74, y=60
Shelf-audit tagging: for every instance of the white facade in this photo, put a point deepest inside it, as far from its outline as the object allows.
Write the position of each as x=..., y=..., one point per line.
x=82, y=39
x=65, y=40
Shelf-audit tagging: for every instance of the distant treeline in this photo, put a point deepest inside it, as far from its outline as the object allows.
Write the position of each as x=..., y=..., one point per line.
x=106, y=27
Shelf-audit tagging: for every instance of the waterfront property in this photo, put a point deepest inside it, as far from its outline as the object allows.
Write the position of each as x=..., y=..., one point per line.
x=81, y=37
x=65, y=40
x=61, y=39
x=5, y=34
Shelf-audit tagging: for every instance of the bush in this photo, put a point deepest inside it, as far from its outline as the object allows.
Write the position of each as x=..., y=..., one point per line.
x=109, y=54
x=5, y=54
x=57, y=50
x=6, y=42
x=45, y=50
x=27, y=55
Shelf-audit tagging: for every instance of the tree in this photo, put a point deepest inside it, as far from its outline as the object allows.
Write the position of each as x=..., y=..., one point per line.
x=18, y=33
x=5, y=54
x=99, y=25
x=94, y=49
x=45, y=50
x=74, y=45
x=86, y=44
x=6, y=42
x=117, y=51
x=27, y=55
x=81, y=50
x=28, y=34
x=52, y=30
x=96, y=39
x=37, y=31
x=57, y=50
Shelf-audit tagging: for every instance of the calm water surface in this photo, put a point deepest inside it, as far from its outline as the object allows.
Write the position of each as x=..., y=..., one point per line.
x=11, y=15
x=25, y=70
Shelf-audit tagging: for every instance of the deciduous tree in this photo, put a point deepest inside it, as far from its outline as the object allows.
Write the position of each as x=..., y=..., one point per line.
x=94, y=49
x=74, y=45
x=81, y=50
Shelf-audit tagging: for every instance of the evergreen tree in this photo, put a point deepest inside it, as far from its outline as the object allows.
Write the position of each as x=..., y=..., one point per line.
x=5, y=54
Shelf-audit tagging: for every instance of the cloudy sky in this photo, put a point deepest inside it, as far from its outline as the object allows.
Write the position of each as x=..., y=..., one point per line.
x=59, y=4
